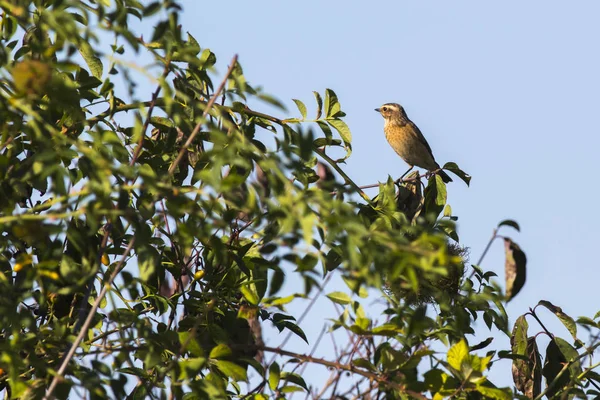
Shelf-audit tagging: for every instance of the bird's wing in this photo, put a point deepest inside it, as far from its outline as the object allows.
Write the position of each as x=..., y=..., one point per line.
x=422, y=138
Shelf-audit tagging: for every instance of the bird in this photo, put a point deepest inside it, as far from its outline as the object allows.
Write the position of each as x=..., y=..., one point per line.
x=407, y=140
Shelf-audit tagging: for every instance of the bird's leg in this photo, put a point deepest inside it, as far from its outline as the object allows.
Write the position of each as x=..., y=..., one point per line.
x=399, y=180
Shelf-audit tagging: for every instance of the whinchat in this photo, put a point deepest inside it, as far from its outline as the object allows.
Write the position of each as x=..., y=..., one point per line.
x=407, y=140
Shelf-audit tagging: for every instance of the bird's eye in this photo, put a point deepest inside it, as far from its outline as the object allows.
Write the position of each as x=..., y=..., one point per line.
x=384, y=108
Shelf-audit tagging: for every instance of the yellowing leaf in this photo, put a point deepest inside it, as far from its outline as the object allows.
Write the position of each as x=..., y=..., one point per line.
x=274, y=375
x=250, y=294
x=339, y=298
x=457, y=354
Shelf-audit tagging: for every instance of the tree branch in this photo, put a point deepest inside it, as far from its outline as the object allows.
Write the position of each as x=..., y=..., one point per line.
x=87, y=323
x=382, y=379
x=204, y=114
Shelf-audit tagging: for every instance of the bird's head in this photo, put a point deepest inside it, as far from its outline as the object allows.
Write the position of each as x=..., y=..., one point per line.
x=391, y=111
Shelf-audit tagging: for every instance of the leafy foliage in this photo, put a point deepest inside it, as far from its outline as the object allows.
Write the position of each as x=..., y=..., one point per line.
x=145, y=238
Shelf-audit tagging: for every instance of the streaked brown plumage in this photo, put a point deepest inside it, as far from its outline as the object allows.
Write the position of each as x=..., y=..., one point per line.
x=407, y=140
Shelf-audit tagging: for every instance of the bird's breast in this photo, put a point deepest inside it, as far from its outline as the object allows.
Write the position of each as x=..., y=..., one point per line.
x=399, y=138
x=406, y=143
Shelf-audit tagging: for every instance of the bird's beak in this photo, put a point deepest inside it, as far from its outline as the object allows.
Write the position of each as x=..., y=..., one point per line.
x=377, y=109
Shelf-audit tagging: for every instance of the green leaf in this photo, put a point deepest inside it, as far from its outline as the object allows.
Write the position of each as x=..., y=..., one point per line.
x=307, y=223
x=482, y=345
x=294, y=328
x=190, y=367
x=271, y=100
x=363, y=363
x=519, y=336
x=457, y=354
x=162, y=123
x=326, y=130
x=280, y=301
x=585, y=321
x=553, y=364
x=363, y=323
x=447, y=211
x=192, y=344
x=274, y=375
x=387, y=330
x=250, y=294
x=514, y=268
x=91, y=59
x=139, y=372
x=342, y=129
x=566, y=320
x=231, y=370
x=147, y=262
x=207, y=58
x=339, y=298
x=435, y=196
x=301, y=108
x=495, y=393
x=295, y=379
x=332, y=104
x=151, y=9
x=511, y=223
x=452, y=167
x=319, y=104
x=291, y=389
x=527, y=370
x=192, y=43
x=220, y=351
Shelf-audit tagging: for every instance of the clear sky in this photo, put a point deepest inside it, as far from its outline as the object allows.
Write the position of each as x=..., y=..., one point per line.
x=507, y=90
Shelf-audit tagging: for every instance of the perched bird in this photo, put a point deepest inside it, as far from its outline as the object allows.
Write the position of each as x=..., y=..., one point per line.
x=407, y=140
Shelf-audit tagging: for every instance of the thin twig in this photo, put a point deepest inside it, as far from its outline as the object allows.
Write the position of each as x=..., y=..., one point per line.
x=312, y=352
x=347, y=179
x=304, y=313
x=348, y=360
x=90, y=285
x=345, y=367
x=204, y=114
x=350, y=334
x=140, y=143
x=494, y=236
x=108, y=226
x=88, y=321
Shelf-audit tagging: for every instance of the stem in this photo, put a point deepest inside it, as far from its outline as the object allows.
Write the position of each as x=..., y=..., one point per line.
x=138, y=149
x=204, y=114
x=158, y=102
x=88, y=322
x=347, y=179
x=487, y=248
x=534, y=315
x=305, y=312
x=344, y=367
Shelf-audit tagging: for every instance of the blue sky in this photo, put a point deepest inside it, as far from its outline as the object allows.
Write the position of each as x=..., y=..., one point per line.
x=509, y=91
